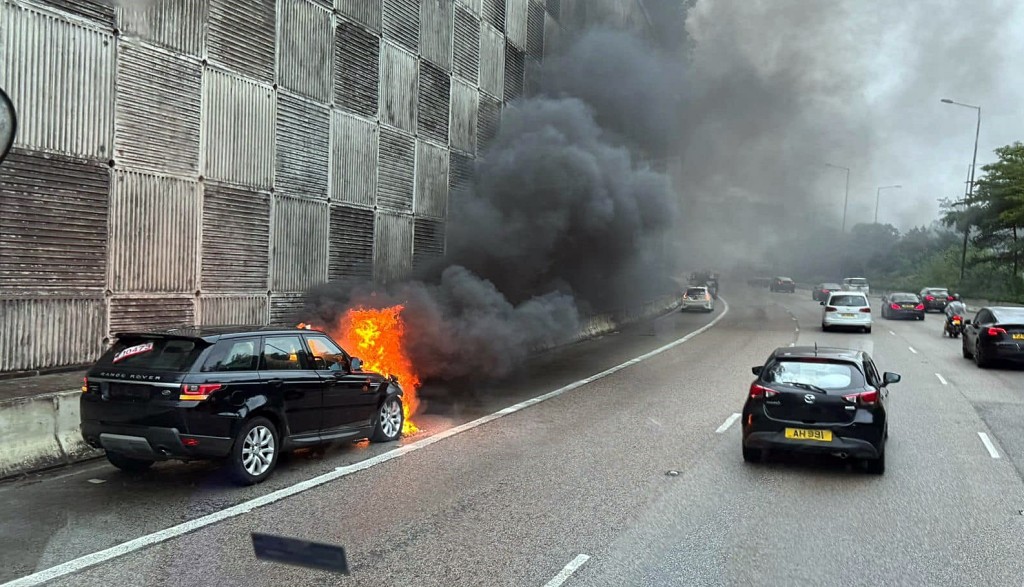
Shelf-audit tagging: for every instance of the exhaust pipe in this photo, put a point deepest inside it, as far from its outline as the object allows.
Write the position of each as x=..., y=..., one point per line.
x=843, y=455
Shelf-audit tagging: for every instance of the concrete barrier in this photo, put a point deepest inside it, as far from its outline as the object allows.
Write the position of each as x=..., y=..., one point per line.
x=39, y=432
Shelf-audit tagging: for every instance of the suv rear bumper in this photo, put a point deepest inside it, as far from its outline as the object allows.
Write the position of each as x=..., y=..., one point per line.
x=852, y=447
x=154, y=443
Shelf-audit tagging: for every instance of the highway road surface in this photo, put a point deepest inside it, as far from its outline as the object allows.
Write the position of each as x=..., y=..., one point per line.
x=626, y=473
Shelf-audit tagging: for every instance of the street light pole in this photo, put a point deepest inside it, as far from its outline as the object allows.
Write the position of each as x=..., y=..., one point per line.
x=974, y=163
x=846, y=198
x=878, y=195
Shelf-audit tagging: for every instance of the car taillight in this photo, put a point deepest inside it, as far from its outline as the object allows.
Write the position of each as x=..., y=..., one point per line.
x=866, y=310
x=197, y=392
x=85, y=385
x=949, y=298
x=894, y=306
x=930, y=298
x=757, y=391
x=919, y=307
x=831, y=309
x=864, y=398
x=996, y=331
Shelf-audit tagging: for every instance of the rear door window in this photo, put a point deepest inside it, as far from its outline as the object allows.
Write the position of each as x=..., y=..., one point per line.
x=281, y=353
x=237, y=354
x=153, y=354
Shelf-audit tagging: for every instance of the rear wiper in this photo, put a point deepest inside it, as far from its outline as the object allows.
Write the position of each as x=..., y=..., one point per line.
x=807, y=386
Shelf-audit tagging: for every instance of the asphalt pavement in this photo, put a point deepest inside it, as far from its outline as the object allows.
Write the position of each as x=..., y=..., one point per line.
x=631, y=478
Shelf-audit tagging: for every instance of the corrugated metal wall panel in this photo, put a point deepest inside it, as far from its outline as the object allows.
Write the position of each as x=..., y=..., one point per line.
x=554, y=7
x=53, y=223
x=460, y=172
x=356, y=69
x=552, y=35
x=50, y=332
x=285, y=308
x=156, y=122
x=466, y=45
x=305, y=49
x=395, y=170
x=398, y=87
x=434, y=100
x=516, y=15
x=101, y=11
x=242, y=36
x=515, y=72
x=488, y=122
x=179, y=24
x=236, y=238
x=392, y=247
x=240, y=309
x=402, y=23
x=535, y=31
x=303, y=147
x=300, y=235
x=148, y=313
x=351, y=243
x=364, y=11
x=154, y=224
x=436, y=21
x=493, y=11
x=238, y=129
x=428, y=241
x=492, y=60
x=353, y=160
x=431, y=180
x=532, y=79
x=471, y=5
x=72, y=66
x=465, y=104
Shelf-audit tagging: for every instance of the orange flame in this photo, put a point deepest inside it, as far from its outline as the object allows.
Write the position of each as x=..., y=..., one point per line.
x=377, y=337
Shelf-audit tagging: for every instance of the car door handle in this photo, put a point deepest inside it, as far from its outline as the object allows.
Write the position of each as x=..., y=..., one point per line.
x=276, y=382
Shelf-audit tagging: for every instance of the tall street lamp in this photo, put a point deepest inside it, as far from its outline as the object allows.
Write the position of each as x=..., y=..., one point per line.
x=970, y=181
x=878, y=195
x=846, y=199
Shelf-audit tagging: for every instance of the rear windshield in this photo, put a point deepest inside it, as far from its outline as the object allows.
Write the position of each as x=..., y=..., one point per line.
x=152, y=354
x=1009, y=314
x=830, y=375
x=903, y=297
x=848, y=300
x=784, y=279
x=696, y=291
x=831, y=286
x=857, y=281
x=937, y=292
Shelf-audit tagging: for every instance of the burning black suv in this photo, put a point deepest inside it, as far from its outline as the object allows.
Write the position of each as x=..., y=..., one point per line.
x=818, y=400
x=238, y=394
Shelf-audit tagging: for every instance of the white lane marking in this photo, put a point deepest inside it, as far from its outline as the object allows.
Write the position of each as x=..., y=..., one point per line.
x=892, y=333
x=101, y=556
x=942, y=379
x=988, y=444
x=912, y=349
x=728, y=422
x=792, y=344
x=568, y=570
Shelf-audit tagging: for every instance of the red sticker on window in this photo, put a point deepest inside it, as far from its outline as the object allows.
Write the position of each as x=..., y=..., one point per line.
x=132, y=351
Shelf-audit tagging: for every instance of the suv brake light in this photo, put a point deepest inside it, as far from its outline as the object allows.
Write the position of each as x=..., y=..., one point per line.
x=831, y=309
x=866, y=310
x=85, y=385
x=194, y=392
x=996, y=331
x=757, y=391
x=864, y=398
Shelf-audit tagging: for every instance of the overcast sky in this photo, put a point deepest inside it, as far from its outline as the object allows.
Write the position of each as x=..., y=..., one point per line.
x=780, y=87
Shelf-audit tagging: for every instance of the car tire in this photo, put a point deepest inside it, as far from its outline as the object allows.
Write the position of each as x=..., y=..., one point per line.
x=980, y=359
x=752, y=455
x=867, y=330
x=128, y=464
x=824, y=328
x=387, y=426
x=876, y=466
x=963, y=350
x=255, y=453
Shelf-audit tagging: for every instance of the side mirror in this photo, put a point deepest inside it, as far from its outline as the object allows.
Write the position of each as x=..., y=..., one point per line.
x=319, y=364
x=355, y=364
x=888, y=377
x=967, y=321
x=756, y=370
x=821, y=303
x=8, y=124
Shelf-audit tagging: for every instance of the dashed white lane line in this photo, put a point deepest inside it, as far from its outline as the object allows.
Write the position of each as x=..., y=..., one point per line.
x=728, y=422
x=102, y=556
x=988, y=444
x=912, y=349
x=568, y=570
x=892, y=333
x=942, y=379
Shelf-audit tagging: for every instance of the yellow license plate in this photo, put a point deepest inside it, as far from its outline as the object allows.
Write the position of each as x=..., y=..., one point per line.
x=1018, y=336
x=802, y=434
x=956, y=322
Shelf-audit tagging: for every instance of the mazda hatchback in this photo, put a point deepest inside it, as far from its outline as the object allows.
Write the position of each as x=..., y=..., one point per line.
x=818, y=400
x=237, y=394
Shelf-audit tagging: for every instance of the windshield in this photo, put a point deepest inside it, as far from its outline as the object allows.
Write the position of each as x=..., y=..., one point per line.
x=848, y=300
x=903, y=297
x=857, y=282
x=826, y=375
x=152, y=354
x=696, y=291
x=937, y=292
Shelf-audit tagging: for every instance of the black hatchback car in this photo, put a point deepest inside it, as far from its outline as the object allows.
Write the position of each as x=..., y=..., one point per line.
x=994, y=334
x=902, y=305
x=239, y=394
x=935, y=298
x=818, y=400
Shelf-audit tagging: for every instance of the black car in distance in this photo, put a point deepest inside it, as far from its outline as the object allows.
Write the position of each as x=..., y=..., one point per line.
x=935, y=298
x=821, y=291
x=238, y=394
x=996, y=333
x=818, y=400
x=902, y=305
x=783, y=284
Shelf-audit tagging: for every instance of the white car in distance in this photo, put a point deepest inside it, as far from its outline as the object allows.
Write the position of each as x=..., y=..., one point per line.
x=698, y=298
x=849, y=309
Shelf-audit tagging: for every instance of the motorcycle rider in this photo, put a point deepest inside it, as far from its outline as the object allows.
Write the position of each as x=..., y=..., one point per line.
x=956, y=307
